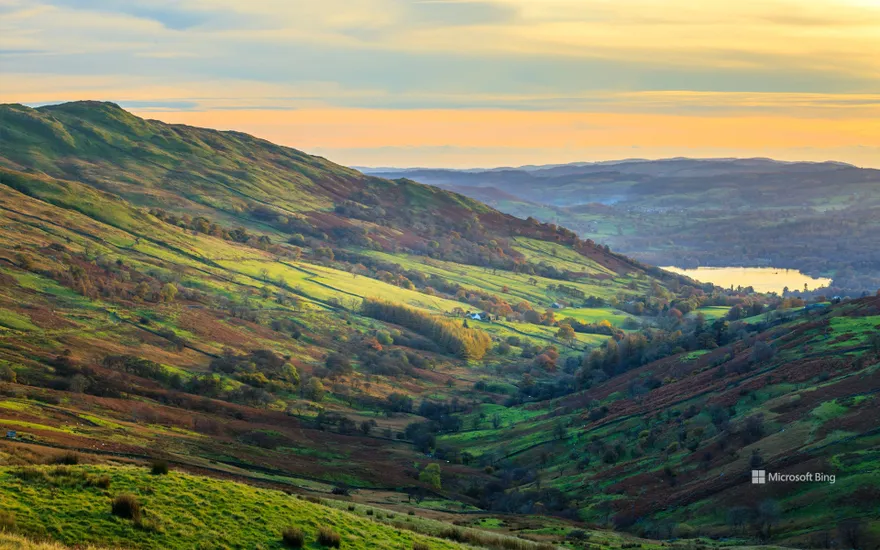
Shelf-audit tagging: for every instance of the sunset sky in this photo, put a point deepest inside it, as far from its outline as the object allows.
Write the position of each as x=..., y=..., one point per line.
x=468, y=83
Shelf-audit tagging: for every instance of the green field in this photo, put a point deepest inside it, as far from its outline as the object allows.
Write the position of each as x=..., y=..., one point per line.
x=712, y=313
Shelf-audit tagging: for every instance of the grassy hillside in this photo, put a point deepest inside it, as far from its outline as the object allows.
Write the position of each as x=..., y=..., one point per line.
x=184, y=511
x=235, y=179
x=668, y=448
x=210, y=300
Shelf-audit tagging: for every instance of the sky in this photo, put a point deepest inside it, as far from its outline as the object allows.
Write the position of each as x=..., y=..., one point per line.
x=471, y=83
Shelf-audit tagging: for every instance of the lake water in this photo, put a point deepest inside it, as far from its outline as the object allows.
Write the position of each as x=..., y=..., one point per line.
x=762, y=279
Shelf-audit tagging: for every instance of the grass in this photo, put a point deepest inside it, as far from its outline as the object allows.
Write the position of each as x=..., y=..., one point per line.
x=693, y=355
x=595, y=315
x=828, y=410
x=11, y=541
x=178, y=511
x=494, y=282
x=558, y=255
x=712, y=313
x=16, y=321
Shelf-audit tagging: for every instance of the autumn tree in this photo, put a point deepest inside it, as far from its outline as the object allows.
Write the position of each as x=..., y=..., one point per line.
x=314, y=390
x=431, y=476
x=463, y=341
x=168, y=293
x=566, y=334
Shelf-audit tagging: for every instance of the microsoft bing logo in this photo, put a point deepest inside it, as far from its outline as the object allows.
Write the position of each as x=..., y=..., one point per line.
x=761, y=477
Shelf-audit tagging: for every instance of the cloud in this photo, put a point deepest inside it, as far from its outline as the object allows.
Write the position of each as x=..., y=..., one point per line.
x=170, y=14
x=233, y=60
x=442, y=13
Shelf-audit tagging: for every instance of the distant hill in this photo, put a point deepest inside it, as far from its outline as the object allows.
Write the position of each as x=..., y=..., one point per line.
x=819, y=217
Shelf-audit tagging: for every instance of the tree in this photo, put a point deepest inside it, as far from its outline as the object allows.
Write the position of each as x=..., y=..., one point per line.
x=168, y=293
x=754, y=428
x=79, y=383
x=546, y=362
x=7, y=374
x=566, y=334
x=24, y=261
x=315, y=390
x=762, y=352
x=852, y=532
x=769, y=512
x=431, y=475
x=142, y=290
x=756, y=460
x=875, y=343
x=338, y=364
x=738, y=516
x=367, y=426
x=559, y=431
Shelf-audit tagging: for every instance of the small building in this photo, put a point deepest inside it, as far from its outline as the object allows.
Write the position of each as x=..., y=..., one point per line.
x=475, y=317
x=556, y=305
x=10, y=434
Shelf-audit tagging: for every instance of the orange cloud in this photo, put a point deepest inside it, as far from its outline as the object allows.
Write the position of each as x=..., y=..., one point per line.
x=349, y=130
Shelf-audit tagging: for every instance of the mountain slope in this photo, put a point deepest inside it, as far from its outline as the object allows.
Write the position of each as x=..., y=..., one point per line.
x=668, y=447
x=196, y=295
x=248, y=312
x=239, y=179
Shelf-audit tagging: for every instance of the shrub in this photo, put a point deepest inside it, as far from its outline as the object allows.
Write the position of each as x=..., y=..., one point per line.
x=159, y=467
x=293, y=537
x=68, y=459
x=329, y=538
x=7, y=521
x=126, y=506
x=102, y=482
x=30, y=473
x=420, y=546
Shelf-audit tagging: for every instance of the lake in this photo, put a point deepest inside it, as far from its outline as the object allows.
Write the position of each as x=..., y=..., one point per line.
x=762, y=279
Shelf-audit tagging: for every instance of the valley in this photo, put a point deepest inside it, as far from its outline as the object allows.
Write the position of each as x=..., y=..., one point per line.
x=250, y=342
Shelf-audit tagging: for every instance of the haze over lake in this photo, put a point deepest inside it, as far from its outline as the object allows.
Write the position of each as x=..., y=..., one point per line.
x=762, y=279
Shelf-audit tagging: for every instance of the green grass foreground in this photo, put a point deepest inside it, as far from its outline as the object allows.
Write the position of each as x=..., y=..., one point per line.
x=179, y=511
